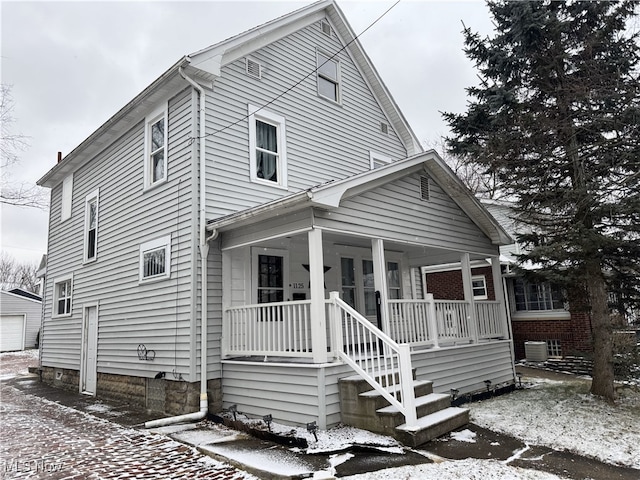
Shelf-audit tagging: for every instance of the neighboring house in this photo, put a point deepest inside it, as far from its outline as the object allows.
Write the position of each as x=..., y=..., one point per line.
x=195, y=239
x=20, y=315
x=540, y=311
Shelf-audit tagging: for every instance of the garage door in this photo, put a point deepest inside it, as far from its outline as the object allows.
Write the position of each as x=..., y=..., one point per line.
x=11, y=332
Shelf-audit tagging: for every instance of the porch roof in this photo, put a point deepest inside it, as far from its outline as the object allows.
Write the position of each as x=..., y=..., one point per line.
x=329, y=195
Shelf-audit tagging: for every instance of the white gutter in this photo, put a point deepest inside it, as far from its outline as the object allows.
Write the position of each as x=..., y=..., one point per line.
x=204, y=254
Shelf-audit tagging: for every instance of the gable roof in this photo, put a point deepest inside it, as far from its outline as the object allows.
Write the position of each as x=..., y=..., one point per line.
x=20, y=292
x=329, y=195
x=206, y=65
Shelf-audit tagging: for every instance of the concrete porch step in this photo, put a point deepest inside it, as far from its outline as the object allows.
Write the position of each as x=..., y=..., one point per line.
x=425, y=405
x=432, y=426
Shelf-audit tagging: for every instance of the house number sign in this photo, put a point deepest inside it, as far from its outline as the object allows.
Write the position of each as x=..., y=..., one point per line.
x=297, y=285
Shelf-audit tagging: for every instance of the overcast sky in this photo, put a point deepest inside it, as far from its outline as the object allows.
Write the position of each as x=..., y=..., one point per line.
x=74, y=64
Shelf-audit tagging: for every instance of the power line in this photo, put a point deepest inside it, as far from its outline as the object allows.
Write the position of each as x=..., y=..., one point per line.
x=314, y=71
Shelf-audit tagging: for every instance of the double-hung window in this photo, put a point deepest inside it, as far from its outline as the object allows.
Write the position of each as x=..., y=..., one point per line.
x=328, y=77
x=267, y=148
x=155, y=171
x=62, y=296
x=91, y=227
x=155, y=259
x=479, y=287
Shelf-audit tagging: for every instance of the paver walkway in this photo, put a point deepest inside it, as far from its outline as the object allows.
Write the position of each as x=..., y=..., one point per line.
x=42, y=439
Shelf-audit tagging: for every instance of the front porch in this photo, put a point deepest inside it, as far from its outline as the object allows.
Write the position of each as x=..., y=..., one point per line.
x=327, y=283
x=286, y=358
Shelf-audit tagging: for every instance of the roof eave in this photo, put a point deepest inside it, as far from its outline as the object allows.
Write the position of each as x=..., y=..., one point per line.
x=93, y=144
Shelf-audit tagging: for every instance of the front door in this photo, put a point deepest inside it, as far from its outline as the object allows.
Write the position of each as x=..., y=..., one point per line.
x=88, y=368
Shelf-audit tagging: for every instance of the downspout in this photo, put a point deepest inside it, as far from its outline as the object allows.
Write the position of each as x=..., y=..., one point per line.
x=204, y=255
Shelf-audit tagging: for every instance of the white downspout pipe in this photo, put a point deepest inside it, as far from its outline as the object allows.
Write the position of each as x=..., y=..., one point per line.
x=204, y=254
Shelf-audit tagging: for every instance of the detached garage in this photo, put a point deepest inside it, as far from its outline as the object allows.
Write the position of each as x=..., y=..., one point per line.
x=20, y=313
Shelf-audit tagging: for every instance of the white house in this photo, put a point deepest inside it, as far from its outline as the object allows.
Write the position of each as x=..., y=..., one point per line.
x=20, y=315
x=195, y=240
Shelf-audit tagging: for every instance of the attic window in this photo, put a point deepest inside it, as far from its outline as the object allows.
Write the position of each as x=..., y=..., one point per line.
x=384, y=128
x=253, y=68
x=326, y=28
x=425, y=190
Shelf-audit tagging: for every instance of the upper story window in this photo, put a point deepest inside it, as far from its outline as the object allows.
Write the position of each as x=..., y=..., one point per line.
x=479, y=287
x=328, y=77
x=377, y=160
x=91, y=226
x=536, y=296
x=155, y=259
x=62, y=296
x=155, y=168
x=67, y=197
x=267, y=148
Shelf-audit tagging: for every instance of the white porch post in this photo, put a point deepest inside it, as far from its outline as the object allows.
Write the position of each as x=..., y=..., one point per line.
x=316, y=277
x=465, y=265
x=499, y=293
x=380, y=281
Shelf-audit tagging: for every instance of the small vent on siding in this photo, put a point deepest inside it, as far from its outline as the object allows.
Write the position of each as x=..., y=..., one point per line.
x=253, y=68
x=425, y=190
x=326, y=28
x=384, y=128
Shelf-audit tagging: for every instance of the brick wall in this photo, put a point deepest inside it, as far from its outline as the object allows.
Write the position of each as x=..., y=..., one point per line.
x=448, y=285
x=573, y=333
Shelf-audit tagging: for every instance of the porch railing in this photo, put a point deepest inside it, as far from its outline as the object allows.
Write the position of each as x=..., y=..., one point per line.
x=271, y=329
x=433, y=322
x=489, y=319
x=372, y=354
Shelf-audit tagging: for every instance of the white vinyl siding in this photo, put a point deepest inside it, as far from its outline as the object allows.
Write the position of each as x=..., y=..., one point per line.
x=91, y=226
x=323, y=142
x=67, y=197
x=156, y=314
x=396, y=212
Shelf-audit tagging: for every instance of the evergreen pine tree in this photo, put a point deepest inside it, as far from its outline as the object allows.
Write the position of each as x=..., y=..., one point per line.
x=556, y=118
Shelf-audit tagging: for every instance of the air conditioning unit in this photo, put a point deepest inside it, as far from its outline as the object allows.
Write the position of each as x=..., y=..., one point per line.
x=535, y=351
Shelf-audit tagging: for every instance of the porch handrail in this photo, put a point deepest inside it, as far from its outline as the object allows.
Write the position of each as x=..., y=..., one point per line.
x=389, y=371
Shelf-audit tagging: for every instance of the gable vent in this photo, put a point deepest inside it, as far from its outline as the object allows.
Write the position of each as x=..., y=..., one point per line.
x=384, y=128
x=326, y=28
x=425, y=190
x=253, y=68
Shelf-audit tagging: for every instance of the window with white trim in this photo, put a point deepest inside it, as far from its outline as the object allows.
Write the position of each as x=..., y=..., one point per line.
x=91, y=226
x=267, y=147
x=479, y=287
x=377, y=160
x=155, y=169
x=328, y=77
x=155, y=259
x=348, y=275
x=62, y=296
x=393, y=280
x=67, y=197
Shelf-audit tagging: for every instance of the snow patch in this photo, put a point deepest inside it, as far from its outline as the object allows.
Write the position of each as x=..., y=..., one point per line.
x=465, y=435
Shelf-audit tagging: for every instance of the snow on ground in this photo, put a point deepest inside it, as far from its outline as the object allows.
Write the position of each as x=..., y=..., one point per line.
x=564, y=416
x=469, y=469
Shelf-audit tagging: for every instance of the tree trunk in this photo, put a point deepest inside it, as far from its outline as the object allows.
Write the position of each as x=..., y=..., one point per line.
x=602, y=383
